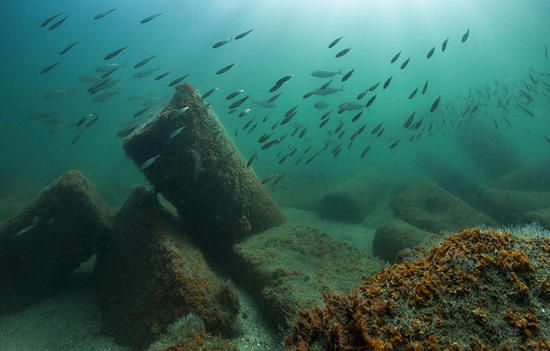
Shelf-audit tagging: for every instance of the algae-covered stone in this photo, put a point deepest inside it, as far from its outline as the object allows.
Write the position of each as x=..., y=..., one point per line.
x=150, y=276
x=529, y=178
x=510, y=206
x=476, y=290
x=394, y=236
x=289, y=268
x=41, y=245
x=201, y=172
x=430, y=207
x=541, y=216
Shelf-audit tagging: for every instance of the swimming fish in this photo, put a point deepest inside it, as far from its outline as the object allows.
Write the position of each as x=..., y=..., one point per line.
x=175, y=133
x=425, y=88
x=150, y=18
x=347, y=76
x=430, y=53
x=374, y=86
x=365, y=151
x=239, y=102
x=58, y=23
x=221, y=43
x=144, y=61
x=48, y=20
x=327, y=91
x=105, y=96
x=371, y=100
x=143, y=74
x=243, y=34
x=357, y=116
x=162, y=75
x=444, y=45
x=64, y=51
x=209, y=92
x=326, y=85
x=149, y=162
x=280, y=83
x=125, y=132
x=321, y=105
x=343, y=52
x=271, y=143
x=114, y=53
x=409, y=121
x=103, y=14
x=251, y=159
x=245, y=112
x=325, y=74
x=405, y=63
x=413, y=93
x=394, y=144
x=142, y=111
x=362, y=94
x=269, y=178
x=177, y=80
x=225, y=69
x=395, y=57
x=49, y=68
x=466, y=35
x=334, y=42
x=274, y=97
x=435, y=104
x=387, y=83
x=234, y=94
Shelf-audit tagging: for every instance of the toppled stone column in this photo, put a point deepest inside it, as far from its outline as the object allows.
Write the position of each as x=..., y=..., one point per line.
x=41, y=245
x=150, y=276
x=201, y=172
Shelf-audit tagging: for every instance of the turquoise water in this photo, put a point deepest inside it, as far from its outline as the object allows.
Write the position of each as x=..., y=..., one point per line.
x=289, y=37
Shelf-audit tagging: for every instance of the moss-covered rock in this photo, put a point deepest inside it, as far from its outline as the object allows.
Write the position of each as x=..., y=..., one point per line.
x=394, y=236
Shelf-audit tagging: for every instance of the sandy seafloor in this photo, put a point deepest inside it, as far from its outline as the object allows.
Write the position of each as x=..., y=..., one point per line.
x=71, y=319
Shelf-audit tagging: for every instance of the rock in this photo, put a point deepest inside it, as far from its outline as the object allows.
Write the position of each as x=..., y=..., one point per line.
x=529, y=178
x=201, y=172
x=430, y=207
x=510, y=206
x=487, y=148
x=394, y=236
x=289, y=267
x=41, y=245
x=477, y=290
x=150, y=276
x=352, y=201
x=541, y=216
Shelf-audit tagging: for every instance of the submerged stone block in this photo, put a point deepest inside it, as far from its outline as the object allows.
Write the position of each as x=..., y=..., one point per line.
x=41, y=245
x=394, y=236
x=290, y=267
x=201, y=172
x=150, y=276
x=530, y=178
x=430, y=207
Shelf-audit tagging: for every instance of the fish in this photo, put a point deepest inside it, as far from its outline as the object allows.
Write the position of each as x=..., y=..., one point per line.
x=245, y=112
x=546, y=138
x=394, y=144
x=89, y=79
x=545, y=51
x=265, y=137
x=177, y=80
x=150, y=18
x=58, y=93
x=144, y=61
x=387, y=83
x=243, y=34
x=425, y=88
x=466, y=35
x=107, y=67
x=48, y=20
x=264, y=104
x=93, y=121
x=27, y=228
x=277, y=180
x=271, y=143
x=326, y=85
x=321, y=105
x=247, y=124
x=413, y=93
x=105, y=96
x=107, y=74
x=239, y=102
x=234, y=94
x=75, y=139
x=103, y=14
x=103, y=84
x=313, y=157
x=64, y=51
x=125, y=132
x=362, y=94
x=430, y=53
x=280, y=83
x=526, y=110
x=334, y=42
x=365, y=151
x=395, y=57
x=380, y=132
x=162, y=75
x=49, y=68
x=274, y=97
x=444, y=45
x=142, y=111
x=324, y=122
x=143, y=74
x=435, y=104
x=221, y=43
x=405, y=63
x=409, y=120
x=58, y=23
x=377, y=128
x=374, y=86
x=208, y=93
x=149, y=162
x=307, y=95
x=357, y=116
x=325, y=74
x=326, y=114
x=267, y=179
x=303, y=132
x=327, y=91
x=181, y=111
x=114, y=53
x=347, y=75
x=176, y=133
x=251, y=159
x=225, y=69
x=343, y=52
x=371, y=101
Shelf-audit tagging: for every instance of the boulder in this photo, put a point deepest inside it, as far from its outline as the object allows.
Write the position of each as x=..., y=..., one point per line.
x=290, y=267
x=428, y=206
x=42, y=244
x=201, y=172
x=394, y=236
x=488, y=149
x=150, y=276
x=510, y=206
x=541, y=216
x=530, y=178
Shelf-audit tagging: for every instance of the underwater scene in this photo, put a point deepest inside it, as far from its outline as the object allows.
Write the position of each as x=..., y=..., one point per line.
x=275, y=175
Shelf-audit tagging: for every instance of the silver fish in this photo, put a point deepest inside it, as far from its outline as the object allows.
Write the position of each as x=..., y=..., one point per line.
x=143, y=74
x=325, y=74
x=175, y=133
x=149, y=162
